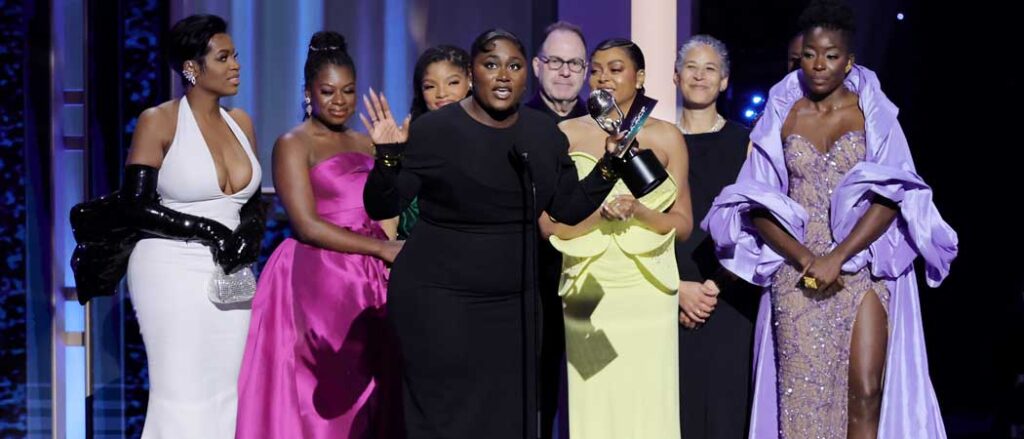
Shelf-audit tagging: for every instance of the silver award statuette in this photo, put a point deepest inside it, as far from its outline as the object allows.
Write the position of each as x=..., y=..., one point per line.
x=640, y=169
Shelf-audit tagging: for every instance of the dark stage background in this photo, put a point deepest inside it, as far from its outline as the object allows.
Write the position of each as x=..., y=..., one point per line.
x=74, y=74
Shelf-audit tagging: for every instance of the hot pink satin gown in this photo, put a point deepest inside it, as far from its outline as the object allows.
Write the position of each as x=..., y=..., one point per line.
x=319, y=359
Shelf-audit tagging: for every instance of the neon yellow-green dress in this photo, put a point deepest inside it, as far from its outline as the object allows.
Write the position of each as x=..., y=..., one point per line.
x=619, y=303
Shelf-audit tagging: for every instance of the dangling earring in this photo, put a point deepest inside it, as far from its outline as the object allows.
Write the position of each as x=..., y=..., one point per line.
x=189, y=76
x=849, y=66
x=309, y=107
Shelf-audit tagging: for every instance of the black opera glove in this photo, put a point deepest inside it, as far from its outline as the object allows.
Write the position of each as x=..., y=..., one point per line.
x=105, y=243
x=141, y=209
x=243, y=246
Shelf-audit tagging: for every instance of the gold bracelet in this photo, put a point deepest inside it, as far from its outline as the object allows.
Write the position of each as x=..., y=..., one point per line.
x=607, y=169
x=389, y=160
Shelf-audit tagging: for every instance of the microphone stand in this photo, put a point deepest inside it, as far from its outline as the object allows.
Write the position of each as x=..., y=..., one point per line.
x=531, y=313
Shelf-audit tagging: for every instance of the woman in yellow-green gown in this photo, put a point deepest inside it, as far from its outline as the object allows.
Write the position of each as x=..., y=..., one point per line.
x=619, y=278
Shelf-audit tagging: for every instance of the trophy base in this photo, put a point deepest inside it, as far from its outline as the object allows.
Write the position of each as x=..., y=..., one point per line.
x=642, y=172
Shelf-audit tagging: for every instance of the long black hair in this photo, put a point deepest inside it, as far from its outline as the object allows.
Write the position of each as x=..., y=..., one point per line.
x=443, y=53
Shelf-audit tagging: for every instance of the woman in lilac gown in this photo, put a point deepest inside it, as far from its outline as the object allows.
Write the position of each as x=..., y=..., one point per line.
x=829, y=213
x=318, y=355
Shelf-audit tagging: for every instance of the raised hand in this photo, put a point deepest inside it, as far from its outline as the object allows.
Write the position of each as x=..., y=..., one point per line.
x=380, y=124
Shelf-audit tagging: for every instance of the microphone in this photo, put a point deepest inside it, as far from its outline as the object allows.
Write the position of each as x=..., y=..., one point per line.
x=520, y=159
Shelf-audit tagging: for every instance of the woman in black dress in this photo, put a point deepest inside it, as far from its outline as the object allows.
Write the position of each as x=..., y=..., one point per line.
x=462, y=293
x=716, y=328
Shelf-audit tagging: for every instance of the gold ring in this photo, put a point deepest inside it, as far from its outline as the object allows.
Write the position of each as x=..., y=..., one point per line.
x=810, y=282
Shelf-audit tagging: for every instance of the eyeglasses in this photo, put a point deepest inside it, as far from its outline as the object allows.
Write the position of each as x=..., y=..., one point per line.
x=576, y=65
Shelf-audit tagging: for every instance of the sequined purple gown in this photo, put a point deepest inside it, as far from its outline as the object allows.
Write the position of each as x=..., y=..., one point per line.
x=801, y=365
x=814, y=333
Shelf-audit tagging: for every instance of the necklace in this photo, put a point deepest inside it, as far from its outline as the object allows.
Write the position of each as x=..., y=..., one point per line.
x=715, y=127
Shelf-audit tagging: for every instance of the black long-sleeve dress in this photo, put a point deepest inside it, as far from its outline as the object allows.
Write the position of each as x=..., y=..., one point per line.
x=462, y=294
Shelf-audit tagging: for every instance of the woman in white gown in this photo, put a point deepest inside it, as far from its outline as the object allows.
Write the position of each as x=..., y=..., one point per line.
x=192, y=183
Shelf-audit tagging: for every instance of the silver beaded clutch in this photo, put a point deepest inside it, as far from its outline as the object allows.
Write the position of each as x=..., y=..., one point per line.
x=238, y=287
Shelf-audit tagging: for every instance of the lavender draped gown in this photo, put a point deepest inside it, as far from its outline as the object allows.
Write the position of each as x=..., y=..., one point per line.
x=878, y=163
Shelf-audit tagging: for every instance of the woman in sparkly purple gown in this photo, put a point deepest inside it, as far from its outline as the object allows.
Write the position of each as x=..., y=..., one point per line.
x=829, y=213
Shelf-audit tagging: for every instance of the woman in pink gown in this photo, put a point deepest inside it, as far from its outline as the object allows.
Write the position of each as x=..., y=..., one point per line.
x=318, y=357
